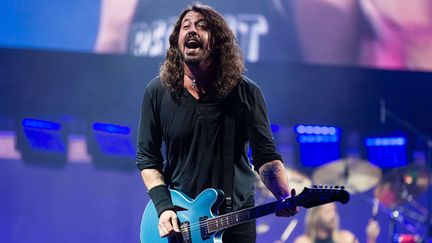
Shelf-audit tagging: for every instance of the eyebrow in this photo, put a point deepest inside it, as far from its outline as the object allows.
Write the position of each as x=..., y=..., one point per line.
x=199, y=20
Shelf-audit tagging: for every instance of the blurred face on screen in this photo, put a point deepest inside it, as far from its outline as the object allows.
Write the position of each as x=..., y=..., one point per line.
x=327, y=216
x=194, y=39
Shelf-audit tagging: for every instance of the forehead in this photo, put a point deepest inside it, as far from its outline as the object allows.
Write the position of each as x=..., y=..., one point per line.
x=192, y=16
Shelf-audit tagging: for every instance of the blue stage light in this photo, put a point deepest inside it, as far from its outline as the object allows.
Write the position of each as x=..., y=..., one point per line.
x=43, y=135
x=386, y=141
x=111, y=146
x=387, y=152
x=274, y=128
x=113, y=139
x=316, y=130
x=317, y=138
x=300, y=129
x=42, y=142
x=111, y=128
x=318, y=144
x=40, y=124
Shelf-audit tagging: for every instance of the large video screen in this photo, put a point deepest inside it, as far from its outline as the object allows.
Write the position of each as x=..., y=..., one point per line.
x=381, y=34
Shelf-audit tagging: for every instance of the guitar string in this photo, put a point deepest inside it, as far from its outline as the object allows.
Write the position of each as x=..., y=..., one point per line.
x=196, y=226
x=214, y=221
x=231, y=216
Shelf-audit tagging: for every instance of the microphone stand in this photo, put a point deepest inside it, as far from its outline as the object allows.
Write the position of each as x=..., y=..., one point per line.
x=428, y=141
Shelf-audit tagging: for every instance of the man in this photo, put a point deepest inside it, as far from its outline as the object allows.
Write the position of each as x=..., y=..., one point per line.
x=201, y=86
x=322, y=226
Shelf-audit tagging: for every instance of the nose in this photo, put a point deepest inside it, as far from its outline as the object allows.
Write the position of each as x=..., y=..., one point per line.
x=191, y=34
x=192, y=30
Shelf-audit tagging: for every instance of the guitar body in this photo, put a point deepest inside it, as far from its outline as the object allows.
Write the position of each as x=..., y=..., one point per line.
x=204, y=206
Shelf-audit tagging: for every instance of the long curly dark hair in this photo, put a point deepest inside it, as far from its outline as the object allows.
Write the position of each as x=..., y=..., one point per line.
x=227, y=57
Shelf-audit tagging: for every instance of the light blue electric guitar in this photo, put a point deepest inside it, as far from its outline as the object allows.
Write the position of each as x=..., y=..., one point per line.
x=200, y=223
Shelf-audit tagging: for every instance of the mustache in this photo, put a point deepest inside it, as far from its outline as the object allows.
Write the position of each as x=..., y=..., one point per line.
x=194, y=38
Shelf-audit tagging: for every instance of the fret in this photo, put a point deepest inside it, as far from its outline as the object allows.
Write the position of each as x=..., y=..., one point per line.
x=241, y=216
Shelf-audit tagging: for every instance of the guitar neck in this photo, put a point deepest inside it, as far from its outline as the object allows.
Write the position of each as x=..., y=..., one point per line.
x=307, y=198
x=241, y=216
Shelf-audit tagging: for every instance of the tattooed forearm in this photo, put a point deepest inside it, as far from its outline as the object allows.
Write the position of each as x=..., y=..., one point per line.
x=274, y=177
x=270, y=172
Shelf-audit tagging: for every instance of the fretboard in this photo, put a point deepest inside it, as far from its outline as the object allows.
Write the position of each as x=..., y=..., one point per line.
x=241, y=216
x=307, y=198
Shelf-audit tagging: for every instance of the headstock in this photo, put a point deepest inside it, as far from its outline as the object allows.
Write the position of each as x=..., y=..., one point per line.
x=319, y=195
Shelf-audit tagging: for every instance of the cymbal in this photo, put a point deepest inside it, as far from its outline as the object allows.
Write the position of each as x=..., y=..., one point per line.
x=296, y=180
x=402, y=184
x=355, y=174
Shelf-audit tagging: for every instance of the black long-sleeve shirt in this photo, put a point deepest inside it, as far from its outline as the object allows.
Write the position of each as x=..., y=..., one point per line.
x=193, y=133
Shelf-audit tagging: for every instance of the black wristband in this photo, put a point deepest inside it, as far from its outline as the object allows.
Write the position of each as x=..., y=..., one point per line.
x=161, y=198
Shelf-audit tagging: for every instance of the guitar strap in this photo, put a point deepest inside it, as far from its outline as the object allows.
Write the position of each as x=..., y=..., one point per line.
x=229, y=146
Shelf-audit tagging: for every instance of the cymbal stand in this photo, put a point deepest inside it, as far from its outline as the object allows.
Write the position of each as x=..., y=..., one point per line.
x=428, y=141
x=396, y=216
x=410, y=199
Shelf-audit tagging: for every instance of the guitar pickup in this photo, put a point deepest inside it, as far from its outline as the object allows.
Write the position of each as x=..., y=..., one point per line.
x=203, y=228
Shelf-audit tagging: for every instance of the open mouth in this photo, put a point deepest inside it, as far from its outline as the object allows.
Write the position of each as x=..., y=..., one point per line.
x=193, y=43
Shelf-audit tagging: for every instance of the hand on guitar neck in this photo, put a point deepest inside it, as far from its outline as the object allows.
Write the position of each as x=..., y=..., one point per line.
x=287, y=208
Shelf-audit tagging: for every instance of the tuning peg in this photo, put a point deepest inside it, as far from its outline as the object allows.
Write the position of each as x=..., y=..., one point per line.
x=336, y=187
x=331, y=186
x=325, y=186
x=342, y=187
x=315, y=186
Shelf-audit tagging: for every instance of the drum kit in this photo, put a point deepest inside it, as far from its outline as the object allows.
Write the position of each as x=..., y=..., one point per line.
x=396, y=190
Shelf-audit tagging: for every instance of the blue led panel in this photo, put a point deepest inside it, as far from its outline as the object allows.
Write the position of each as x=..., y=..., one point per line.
x=42, y=142
x=44, y=135
x=387, y=152
x=318, y=144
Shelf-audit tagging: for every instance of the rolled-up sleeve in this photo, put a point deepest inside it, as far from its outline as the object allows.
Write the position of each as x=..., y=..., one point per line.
x=149, y=133
x=259, y=132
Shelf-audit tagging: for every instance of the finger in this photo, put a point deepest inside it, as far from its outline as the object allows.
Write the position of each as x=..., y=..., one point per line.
x=174, y=223
x=281, y=214
x=162, y=232
x=285, y=211
x=284, y=214
x=293, y=192
x=167, y=226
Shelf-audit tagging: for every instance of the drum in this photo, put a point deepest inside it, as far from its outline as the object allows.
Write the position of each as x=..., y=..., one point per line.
x=408, y=238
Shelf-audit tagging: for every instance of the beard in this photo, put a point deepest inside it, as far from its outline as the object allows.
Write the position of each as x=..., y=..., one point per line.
x=192, y=60
x=203, y=59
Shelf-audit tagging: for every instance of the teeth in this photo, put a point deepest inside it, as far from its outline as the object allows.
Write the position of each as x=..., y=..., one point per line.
x=192, y=43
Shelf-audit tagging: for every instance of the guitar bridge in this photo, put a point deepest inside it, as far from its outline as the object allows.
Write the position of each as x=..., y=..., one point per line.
x=185, y=232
